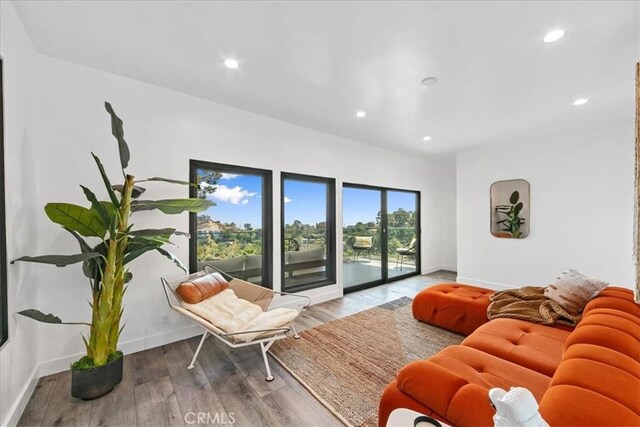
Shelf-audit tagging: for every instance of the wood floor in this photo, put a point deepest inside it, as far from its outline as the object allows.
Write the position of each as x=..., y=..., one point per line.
x=224, y=386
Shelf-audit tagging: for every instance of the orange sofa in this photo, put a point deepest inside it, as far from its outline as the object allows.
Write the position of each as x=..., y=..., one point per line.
x=586, y=377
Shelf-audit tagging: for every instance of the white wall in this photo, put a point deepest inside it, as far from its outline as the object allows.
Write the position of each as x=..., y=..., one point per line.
x=164, y=130
x=18, y=358
x=581, y=209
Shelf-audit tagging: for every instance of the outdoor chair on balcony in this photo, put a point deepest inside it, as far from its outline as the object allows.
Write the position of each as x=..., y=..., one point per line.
x=360, y=244
x=408, y=251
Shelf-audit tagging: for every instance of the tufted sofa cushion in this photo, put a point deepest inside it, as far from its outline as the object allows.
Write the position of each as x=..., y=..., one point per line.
x=453, y=306
x=586, y=377
x=455, y=383
x=533, y=346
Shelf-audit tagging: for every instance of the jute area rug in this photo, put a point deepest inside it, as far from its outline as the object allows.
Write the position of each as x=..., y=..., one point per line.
x=347, y=363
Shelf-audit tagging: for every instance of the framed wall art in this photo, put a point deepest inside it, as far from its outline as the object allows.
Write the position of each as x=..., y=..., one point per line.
x=510, y=213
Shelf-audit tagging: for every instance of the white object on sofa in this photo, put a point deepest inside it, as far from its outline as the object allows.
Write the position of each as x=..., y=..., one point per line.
x=515, y=408
x=403, y=417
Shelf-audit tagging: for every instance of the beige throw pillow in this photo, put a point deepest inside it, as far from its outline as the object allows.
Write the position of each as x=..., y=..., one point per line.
x=573, y=290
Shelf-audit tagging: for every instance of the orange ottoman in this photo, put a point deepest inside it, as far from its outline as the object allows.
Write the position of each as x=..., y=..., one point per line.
x=453, y=306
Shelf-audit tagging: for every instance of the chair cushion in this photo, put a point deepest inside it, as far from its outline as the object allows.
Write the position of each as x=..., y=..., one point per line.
x=363, y=242
x=226, y=311
x=197, y=290
x=453, y=306
x=267, y=320
x=232, y=314
x=533, y=346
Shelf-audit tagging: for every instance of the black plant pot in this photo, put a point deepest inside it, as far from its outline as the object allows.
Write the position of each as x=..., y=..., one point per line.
x=96, y=382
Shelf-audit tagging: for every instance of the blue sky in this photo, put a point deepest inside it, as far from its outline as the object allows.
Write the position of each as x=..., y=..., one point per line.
x=362, y=205
x=239, y=199
x=305, y=201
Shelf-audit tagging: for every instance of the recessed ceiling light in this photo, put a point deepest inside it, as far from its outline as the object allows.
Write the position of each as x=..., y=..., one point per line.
x=426, y=138
x=429, y=81
x=231, y=63
x=580, y=101
x=553, y=36
x=361, y=114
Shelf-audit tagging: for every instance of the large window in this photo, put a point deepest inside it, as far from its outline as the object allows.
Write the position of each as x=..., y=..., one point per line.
x=235, y=234
x=308, y=231
x=4, y=327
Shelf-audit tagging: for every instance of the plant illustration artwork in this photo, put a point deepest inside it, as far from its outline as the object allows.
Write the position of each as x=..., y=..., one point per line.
x=512, y=221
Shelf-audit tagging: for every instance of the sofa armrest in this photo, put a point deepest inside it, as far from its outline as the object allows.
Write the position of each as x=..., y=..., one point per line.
x=430, y=384
x=448, y=395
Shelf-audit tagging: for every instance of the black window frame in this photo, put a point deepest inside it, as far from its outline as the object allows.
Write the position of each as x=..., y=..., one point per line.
x=4, y=315
x=330, y=267
x=267, y=213
x=384, y=235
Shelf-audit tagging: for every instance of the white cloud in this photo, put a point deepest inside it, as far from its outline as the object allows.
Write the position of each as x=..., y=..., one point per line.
x=228, y=175
x=287, y=200
x=234, y=195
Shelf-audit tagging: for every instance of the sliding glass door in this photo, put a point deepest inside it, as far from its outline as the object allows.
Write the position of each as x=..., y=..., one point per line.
x=380, y=235
x=402, y=231
x=362, y=231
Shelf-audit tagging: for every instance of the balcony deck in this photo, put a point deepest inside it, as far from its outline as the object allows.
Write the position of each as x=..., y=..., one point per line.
x=363, y=270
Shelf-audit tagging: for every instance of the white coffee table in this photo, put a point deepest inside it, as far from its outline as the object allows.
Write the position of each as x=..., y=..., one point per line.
x=403, y=417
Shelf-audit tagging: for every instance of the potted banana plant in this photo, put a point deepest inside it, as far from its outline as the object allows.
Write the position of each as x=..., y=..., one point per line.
x=105, y=261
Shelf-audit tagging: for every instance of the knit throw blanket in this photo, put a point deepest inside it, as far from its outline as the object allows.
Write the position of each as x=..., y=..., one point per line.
x=530, y=304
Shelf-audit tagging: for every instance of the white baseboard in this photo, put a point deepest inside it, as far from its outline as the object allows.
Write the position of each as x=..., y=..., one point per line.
x=127, y=347
x=484, y=283
x=20, y=403
x=438, y=267
x=325, y=296
x=62, y=364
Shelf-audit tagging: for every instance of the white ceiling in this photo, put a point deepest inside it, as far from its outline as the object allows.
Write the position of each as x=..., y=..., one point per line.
x=315, y=64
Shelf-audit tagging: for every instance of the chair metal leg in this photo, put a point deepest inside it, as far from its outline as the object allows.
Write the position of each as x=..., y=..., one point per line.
x=397, y=258
x=401, y=260
x=295, y=333
x=264, y=349
x=195, y=356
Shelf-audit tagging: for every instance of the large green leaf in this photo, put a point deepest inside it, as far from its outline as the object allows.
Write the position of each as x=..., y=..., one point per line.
x=518, y=208
x=152, y=232
x=59, y=260
x=85, y=221
x=160, y=236
x=46, y=318
x=90, y=267
x=107, y=183
x=173, y=258
x=98, y=206
x=172, y=206
x=137, y=247
x=117, y=130
x=171, y=181
x=515, y=196
x=136, y=191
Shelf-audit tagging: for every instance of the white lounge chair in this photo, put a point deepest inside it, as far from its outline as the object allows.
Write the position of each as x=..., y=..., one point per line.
x=266, y=299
